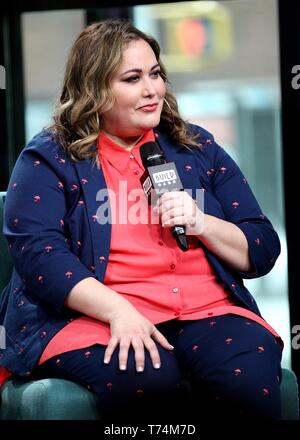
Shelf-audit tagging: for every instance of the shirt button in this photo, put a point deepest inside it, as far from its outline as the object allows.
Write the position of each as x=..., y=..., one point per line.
x=210, y=313
x=136, y=171
x=172, y=266
x=175, y=289
x=131, y=156
x=176, y=313
x=160, y=243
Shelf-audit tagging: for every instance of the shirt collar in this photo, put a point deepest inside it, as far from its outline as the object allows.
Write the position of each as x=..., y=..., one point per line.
x=116, y=155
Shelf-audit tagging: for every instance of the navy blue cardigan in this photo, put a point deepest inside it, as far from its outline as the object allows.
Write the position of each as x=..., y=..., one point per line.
x=55, y=240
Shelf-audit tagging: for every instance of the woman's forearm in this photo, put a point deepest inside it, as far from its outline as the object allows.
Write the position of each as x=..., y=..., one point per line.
x=96, y=300
x=227, y=242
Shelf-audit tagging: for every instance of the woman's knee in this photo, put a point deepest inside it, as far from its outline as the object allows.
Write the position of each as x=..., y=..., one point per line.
x=137, y=393
x=155, y=380
x=244, y=376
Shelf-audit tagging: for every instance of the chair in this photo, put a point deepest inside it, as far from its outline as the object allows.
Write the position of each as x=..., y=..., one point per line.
x=58, y=399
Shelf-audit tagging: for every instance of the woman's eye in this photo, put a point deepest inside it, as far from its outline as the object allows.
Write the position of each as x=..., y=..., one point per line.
x=135, y=78
x=156, y=73
x=132, y=78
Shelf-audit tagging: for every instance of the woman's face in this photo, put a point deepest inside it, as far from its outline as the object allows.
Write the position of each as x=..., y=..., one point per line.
x=139, y=91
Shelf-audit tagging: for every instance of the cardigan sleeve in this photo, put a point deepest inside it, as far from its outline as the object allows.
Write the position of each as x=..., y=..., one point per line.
x=35, y=209
x=240, y=207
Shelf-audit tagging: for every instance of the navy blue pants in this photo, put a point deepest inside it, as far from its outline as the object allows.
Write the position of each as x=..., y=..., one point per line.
x=232, y=364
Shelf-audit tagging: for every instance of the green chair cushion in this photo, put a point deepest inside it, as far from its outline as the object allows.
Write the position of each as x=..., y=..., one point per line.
x=47, y=399
x=289, y=395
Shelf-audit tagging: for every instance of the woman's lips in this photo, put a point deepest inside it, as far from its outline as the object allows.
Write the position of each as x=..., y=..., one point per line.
x=148, y=108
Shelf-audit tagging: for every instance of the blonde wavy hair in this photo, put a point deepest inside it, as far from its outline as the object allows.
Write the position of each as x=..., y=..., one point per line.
x=94, y=59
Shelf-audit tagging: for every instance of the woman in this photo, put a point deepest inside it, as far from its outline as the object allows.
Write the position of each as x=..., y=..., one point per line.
x=106, y=298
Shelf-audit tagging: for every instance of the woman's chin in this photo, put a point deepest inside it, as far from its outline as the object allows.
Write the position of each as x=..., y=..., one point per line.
x=150, y=126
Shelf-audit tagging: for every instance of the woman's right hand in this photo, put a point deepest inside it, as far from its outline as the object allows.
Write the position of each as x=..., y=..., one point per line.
x=128, y=327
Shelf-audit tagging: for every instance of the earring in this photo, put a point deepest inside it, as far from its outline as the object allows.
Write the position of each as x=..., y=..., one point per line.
x=97, y=119
x=171, y=111
x=168, y=105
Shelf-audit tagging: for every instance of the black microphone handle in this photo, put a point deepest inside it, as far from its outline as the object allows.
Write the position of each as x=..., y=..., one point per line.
x=178, y=233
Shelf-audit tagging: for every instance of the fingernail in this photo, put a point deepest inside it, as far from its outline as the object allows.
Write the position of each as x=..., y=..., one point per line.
x=139, y=369
x=157, y=365
x=122, y=367
x=106, y=361
x=171, y=346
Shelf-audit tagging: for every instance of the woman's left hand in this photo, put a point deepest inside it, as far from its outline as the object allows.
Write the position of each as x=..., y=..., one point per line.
x=179, y=208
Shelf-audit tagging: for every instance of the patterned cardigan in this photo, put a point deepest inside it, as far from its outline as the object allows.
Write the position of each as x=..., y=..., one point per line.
x=55, y=240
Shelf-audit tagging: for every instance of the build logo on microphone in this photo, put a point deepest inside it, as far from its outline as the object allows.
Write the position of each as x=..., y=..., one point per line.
x=164, y=178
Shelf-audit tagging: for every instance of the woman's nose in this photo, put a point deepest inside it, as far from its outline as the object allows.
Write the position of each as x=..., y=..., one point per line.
x=148, y=88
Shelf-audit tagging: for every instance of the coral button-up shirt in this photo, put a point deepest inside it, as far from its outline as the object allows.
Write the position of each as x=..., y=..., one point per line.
x=145, y=264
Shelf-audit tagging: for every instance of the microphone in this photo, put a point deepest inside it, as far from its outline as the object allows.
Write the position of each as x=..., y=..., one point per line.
x=161, y=176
